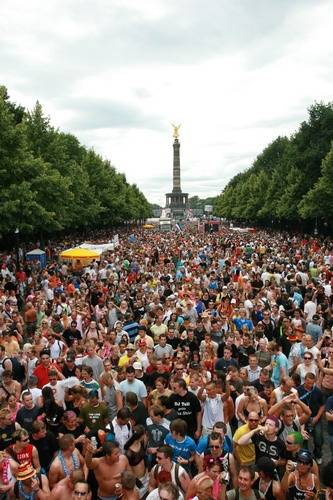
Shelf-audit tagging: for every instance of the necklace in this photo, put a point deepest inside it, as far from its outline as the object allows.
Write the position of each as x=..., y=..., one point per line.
x=26, y=496
x=75, y=460
x=264, y=486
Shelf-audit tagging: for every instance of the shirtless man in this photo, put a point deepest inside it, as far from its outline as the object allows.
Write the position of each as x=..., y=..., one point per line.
x=107, y=469
x=65, y=487
x=68, y=460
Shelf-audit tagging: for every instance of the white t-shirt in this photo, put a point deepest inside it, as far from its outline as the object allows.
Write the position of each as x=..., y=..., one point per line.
x=309, y=310
x=212, y=411
x=56, y=349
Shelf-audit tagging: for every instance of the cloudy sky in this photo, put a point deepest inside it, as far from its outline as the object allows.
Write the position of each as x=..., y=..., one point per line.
x=117, y=73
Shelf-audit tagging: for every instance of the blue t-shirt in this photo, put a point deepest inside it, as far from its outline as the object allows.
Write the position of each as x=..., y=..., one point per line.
x=184, y=449
x=239, y=322
x=279, y=361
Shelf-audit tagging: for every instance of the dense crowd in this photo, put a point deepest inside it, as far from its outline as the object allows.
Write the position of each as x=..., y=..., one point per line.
x=179, y=366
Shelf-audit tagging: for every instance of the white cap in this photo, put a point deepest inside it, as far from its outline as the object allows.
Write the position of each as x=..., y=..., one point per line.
x=137, y=365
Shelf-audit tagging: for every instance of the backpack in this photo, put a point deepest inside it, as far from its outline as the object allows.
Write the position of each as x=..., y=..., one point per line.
x=256, y=492
x=177, y=478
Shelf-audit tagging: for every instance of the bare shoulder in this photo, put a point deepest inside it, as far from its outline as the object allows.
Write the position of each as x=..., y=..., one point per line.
x=123, y=460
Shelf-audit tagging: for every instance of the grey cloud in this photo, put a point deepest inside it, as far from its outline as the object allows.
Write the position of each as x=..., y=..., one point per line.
x=93, y=113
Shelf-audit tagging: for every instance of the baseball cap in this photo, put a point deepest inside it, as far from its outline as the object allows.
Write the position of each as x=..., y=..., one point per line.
x=137, y=365
x=315, y=317
x=304, y=456
x=130, y=346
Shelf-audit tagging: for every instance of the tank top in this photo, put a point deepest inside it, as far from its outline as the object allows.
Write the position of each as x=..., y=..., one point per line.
x=25, y=455
x=295, y=492
x=212, y=411
x=269, y=491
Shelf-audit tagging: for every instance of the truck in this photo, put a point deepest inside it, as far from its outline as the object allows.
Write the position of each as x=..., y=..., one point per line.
x=165, y=224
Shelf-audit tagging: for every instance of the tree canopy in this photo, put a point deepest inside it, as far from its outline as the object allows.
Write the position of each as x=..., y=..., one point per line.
x=50, y=182
x=291, y=180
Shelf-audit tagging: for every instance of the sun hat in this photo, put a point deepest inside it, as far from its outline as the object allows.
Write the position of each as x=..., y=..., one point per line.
x=25, y=471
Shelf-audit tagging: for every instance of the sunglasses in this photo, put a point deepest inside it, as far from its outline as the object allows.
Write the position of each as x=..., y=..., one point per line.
x=253, y=419
x=25, y=440
x=307, y=357
x=82, y=493
x=288, y=442
x=215, y=446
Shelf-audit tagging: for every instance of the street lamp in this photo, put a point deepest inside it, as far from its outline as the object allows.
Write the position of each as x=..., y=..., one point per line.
x=17, y=238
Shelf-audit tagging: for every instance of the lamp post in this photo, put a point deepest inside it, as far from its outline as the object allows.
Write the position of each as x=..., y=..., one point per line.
x=316, y=227
x=17, y=239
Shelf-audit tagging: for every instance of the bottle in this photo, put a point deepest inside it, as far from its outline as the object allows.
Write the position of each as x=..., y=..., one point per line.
x=94, y=442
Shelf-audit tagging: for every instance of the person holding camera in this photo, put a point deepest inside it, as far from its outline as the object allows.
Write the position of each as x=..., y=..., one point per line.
x=299, y=482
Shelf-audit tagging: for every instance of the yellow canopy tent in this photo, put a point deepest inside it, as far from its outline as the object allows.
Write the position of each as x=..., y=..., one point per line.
x=82, y=256
x=148, y=226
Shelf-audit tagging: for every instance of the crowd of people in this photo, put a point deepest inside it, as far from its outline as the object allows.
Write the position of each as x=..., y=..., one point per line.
x=179, y=366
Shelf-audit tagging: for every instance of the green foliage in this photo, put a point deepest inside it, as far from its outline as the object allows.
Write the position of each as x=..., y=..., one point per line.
x=290, y=180
x=50, y=182
x=319, y=200
x=198, y=203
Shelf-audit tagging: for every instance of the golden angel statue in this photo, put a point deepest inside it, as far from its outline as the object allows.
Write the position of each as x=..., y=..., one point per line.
x=176, y=130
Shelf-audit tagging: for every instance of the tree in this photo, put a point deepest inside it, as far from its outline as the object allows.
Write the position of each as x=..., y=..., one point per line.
x=318, y=202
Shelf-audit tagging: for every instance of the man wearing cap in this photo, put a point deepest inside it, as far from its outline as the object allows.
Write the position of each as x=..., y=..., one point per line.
x=131, y=384
x=299, y=478
x=94, y=414
x=128, y=358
